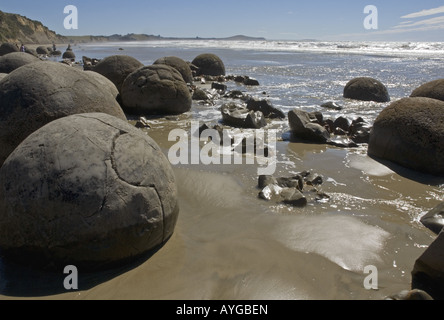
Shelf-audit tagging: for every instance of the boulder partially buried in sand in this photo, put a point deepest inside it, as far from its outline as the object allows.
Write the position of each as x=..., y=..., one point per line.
x=88, y=190
x=11, y=61
x=116, y=68
x=433, y=89
x=209, y=64
x=156, y=89
x=180, y=65
x=366, y=89
x=410, y=132
x=41, y=92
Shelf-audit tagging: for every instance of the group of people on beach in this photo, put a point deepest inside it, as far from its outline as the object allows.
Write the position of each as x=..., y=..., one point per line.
x=23, y=48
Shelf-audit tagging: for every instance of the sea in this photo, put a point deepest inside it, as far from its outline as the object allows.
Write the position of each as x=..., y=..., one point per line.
x=228, y=243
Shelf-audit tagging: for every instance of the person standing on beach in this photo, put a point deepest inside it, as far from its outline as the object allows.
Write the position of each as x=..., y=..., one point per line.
x=22, y=48
x=54, y=48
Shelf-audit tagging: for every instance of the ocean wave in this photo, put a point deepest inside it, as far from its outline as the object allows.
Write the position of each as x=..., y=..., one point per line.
x=415, y=49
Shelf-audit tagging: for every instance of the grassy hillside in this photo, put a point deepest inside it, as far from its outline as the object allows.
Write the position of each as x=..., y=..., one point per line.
x=19, y=29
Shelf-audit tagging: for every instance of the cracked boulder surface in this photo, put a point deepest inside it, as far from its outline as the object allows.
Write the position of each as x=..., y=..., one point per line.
x=116, y=68
x=88, y=190
x=410, y=132
x=156, y=90
x=15, y=60
x=40, y=92
x=180, y=65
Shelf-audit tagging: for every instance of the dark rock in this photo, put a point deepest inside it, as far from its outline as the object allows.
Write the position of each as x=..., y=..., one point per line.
x=265, y=106
x=142, y=123
x=265, y=180
x=11, y=61
x=359, y=131
x=42, y=50
x=332, y=106
x=180, y=65
x=56, y=53
x=342, y=123
x=156, y=89
x=201, y=95
x=410, y=132
x=412, y=295
x=219, y=86
x=366, y=89
x=28, y=103
x=342, y=142
x=6, y=48
x=88, y=190
x=117, y=68
x=434, y=219
x=250, y=81
x=209, y=64
x=428, y=272
x=302, y=127
x=433, y=89
x=70, y=55
x=294, y=197
x=240, y=117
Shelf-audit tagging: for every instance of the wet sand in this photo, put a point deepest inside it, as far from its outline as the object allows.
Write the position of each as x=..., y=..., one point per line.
x=230, y=245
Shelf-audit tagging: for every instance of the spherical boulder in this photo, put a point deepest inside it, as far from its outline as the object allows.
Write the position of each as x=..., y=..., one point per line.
x=11, y=61
x=209, y=65
x=410, y=132
x=7, y=47
x=42, y=50
x=40, y=92
x=433, y=89
x=116, y=68
x=88, y=190
x=156, y=89
x=366, y=89
x=180, y=65
x=69, y=55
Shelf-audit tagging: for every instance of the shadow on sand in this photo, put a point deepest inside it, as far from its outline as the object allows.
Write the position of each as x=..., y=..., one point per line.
x=21, y=281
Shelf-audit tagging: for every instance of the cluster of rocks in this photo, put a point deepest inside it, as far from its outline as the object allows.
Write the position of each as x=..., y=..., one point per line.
x=253, y=114
x=78, y=184
x=297, y=191
x=312, y=127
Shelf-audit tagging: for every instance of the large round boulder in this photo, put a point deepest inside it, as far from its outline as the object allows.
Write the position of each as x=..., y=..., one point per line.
x=209, y=64
x=11, y=61
x=156, y=89
x=7, y=47
x=433, y=89
x=410, y=132
x=116, y=68
x=42, y=50
x=88, y=190
x=180, y=65
x=69, y=54
x=38, y=93
x=366, y=89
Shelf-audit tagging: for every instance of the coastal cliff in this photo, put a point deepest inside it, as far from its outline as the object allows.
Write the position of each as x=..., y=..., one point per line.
x=16, y=28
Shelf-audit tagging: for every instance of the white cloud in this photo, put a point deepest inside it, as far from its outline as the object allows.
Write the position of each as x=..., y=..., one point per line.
x=428, y=22
x=424, y=13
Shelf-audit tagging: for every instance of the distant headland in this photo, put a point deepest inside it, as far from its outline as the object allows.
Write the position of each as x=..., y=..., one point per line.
x=19, y=29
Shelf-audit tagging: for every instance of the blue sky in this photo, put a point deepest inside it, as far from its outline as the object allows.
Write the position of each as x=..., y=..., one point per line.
x=278, y=19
